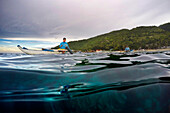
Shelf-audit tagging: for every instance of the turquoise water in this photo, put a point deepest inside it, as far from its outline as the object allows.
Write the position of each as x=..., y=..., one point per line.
x=85, y=83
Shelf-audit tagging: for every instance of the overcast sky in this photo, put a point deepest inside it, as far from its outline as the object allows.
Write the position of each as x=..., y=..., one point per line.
x=77, y=19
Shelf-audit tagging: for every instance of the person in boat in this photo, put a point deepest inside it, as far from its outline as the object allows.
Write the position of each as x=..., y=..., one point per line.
x=64, y=44
x=127, y=49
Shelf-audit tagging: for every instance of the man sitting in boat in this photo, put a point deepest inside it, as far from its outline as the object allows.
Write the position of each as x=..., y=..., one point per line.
x=127, y=49
x=64, y=45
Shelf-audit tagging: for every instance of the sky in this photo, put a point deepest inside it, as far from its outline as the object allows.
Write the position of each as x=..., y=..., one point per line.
x=46, y=22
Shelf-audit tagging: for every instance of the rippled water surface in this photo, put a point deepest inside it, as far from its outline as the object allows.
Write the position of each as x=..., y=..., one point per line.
x=85, y=82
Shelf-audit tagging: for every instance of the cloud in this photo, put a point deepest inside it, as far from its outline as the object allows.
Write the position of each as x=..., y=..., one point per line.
x=77, y=19
x=6, y=42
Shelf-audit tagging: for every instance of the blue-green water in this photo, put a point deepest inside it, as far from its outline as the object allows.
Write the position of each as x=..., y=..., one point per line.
x=85, y=83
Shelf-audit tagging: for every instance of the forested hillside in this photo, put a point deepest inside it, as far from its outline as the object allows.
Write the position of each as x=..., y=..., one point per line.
x=144, y=37
x=165, y=27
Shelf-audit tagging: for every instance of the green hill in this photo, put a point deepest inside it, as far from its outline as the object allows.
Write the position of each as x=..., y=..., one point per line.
x=144, y=37
x=165, y=27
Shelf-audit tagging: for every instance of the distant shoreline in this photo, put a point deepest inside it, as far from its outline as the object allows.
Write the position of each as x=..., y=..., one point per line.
x=152, y=50
x=142, y=50
x=149, y=50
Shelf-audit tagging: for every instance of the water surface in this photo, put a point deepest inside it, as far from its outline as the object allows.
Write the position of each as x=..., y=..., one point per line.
x=85, y=82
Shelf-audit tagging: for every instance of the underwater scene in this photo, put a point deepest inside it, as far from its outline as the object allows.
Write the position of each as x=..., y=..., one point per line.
x=103, y=82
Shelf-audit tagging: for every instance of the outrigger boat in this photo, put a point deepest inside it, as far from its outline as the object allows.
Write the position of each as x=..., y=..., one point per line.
x=43, y=51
